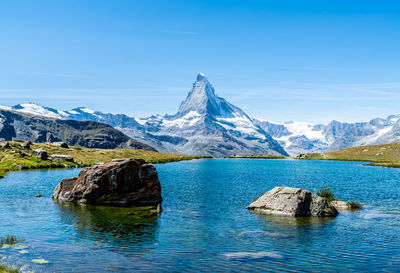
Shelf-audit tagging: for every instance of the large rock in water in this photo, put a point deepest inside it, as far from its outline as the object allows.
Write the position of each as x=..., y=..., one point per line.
x=293, y=202
x=124, y=182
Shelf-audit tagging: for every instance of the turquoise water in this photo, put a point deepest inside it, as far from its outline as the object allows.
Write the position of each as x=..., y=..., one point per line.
x=205, y=225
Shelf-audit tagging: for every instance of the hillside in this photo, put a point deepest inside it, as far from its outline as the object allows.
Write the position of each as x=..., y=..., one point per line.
x=16, y=158
x=28, y=127
x=387, y=155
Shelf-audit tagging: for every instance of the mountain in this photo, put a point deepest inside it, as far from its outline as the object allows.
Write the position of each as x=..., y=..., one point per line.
x=16, y=125
x=303, y=137
x=205, y=124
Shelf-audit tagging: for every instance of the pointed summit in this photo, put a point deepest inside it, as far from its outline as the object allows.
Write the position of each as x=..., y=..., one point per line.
x=203, y=101
x=201, y=77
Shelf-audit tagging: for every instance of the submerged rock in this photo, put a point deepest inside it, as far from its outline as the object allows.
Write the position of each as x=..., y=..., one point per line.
x=340, y=205
x=40, y=153
x=125, y=182
x=293, y=202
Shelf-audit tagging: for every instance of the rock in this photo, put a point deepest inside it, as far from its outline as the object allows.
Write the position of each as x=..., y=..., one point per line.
x=63, y=145
x=126, y=182
x=340, y=205
x=4, y=144
x=40, y=153
x=293, y=202
x=65, y=158
x=23, y=154
x=17, y=166
x=26, y=145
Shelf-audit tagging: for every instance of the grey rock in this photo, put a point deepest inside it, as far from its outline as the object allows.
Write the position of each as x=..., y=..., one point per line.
x=4, y=144
x=65, y=158
x=40, y=153
x=125, y=182
x=26, y=145
x=292, y=202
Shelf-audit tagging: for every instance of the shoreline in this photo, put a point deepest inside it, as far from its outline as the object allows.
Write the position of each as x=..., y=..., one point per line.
x=17, y=158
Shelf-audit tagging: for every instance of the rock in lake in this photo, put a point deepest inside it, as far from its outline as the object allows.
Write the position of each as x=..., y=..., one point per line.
x=293, y=202
x=65, y=158
x=124, y=182
x=40, y=153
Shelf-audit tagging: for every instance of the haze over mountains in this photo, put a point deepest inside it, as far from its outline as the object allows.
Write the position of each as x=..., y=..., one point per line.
x=206, y=124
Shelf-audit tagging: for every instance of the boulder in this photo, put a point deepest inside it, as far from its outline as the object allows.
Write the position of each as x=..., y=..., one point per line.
x=63, y=145
x=125, y=182
x=4, y=144
x=293, y=202
x=40, y=153
x=26, y=145
x=65, y=158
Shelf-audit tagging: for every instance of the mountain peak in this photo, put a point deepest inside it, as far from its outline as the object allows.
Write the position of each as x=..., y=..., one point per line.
x=203, y=101
x=201, y=77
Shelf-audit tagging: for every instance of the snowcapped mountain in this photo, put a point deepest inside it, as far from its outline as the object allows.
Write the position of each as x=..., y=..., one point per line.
x=204, y=125
x=303, y=137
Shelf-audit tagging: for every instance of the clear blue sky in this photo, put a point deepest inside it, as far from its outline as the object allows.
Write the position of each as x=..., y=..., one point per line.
x=278, y=60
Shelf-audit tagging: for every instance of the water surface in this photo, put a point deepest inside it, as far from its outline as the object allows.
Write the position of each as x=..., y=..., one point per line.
x=205, y=225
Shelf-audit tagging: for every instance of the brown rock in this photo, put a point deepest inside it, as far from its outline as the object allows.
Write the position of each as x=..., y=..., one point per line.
x=125, y=182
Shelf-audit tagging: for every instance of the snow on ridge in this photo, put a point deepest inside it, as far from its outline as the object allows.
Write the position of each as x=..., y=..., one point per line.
x=35, y=109
x=189, y=119
x=5, y=107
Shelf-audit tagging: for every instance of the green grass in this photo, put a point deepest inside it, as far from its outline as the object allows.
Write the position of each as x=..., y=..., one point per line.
x=326, y=193
x=11, y=159
x=384, y=155
x=5, y=269
x=354, y=205
x=10, y=240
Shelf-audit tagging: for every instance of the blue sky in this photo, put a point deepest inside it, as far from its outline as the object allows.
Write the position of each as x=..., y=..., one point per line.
x=278, y=60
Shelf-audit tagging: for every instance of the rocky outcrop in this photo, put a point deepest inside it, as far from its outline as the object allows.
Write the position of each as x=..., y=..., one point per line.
x=125, y=182
x=40, y=153
x=65, y=158
x=293, y=202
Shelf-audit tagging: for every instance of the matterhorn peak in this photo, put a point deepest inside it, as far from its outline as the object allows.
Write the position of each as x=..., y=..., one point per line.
x=201, y=77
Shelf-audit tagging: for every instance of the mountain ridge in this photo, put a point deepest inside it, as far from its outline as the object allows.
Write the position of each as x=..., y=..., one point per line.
x=230, y=129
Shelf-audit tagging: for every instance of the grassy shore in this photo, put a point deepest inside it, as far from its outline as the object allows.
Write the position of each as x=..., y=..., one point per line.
x=12, y=160
x=385, y=155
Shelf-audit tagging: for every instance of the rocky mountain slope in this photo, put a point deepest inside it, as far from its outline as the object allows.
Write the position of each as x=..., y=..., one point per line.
x=205, y=125
x=22, y=126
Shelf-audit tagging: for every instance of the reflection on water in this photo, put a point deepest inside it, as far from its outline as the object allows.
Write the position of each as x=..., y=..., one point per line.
x=114, y=226
x=283, y=221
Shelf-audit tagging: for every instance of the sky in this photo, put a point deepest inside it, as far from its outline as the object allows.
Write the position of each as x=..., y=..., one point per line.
x=302, y=60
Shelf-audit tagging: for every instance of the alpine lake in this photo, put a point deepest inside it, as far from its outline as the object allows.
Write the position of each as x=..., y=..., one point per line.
x=204, y=225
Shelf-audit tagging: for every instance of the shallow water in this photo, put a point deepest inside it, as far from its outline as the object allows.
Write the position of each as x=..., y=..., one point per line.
x=205, y=226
